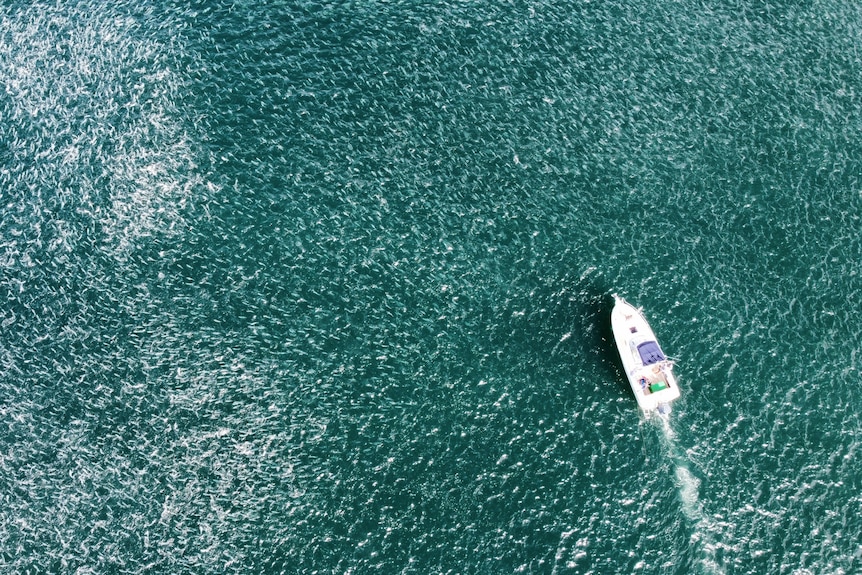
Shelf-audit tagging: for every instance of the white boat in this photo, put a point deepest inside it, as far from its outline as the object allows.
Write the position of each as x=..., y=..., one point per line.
x=647, y=368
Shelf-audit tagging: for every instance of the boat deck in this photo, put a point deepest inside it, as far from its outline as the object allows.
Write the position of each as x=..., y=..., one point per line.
x=649, y=377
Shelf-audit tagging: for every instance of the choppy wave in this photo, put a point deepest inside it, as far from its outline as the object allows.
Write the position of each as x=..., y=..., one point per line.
x=308, y=287
x=98, y=176
x=97, y=148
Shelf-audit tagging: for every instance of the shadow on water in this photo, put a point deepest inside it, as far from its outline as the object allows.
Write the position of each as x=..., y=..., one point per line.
x=590, y=320
x=609, y=357
x=560, y=328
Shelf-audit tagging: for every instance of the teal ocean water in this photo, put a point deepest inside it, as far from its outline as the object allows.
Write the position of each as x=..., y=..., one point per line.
x=324, y=287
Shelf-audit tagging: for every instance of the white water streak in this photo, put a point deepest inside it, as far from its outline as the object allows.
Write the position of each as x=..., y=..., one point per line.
x=688, y=485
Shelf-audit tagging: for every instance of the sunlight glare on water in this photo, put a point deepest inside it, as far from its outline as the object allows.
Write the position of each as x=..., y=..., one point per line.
x=324, y=287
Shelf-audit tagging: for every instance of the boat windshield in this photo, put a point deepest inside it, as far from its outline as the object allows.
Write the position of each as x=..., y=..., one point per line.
x=650, y=353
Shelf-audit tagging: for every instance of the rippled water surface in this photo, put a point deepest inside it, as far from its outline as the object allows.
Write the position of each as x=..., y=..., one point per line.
x=300, y=287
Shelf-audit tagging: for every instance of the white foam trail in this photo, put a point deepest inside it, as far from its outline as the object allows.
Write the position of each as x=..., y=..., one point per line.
x=688, y=485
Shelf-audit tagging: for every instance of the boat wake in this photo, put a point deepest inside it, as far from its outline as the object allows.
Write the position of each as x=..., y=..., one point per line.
x=704, y=529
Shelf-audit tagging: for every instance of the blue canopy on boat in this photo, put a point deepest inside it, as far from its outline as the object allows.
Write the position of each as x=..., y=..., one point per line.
x=650, y=352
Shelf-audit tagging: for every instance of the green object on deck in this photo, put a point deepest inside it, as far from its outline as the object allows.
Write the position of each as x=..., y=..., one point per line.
x=657, y=386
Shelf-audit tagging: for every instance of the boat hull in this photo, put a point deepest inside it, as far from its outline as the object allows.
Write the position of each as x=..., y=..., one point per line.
x=647, y=369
